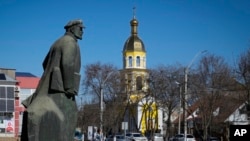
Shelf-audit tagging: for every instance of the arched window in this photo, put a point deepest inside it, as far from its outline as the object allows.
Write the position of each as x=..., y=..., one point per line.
x=138, y=61
x=130, y=61
x=139, y=83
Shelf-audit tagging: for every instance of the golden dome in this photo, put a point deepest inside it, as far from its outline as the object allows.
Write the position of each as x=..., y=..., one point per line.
x=134, y=43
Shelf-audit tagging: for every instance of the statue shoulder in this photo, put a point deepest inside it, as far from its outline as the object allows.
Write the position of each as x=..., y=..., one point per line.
x=67, y=40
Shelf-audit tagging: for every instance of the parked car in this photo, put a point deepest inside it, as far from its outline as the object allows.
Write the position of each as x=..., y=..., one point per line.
x=135, y=137
x=213, y=139
x=180, y=137
x=157, y=137
x=78, y=136
x=117, y=137
x=109, y=138
x=120, y=138
x=171, y=138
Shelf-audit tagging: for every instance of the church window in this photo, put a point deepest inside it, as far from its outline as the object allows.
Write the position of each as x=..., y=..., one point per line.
x=139, y=83
x=130, y=61
x=138, y=61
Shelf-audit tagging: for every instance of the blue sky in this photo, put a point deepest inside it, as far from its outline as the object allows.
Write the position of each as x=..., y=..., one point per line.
x=173, y=31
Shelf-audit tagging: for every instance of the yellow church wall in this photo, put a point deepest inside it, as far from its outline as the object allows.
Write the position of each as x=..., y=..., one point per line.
x=147, y=115
x=135, y=53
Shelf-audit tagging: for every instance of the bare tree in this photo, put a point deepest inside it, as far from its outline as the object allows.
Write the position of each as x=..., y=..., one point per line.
x=164, y=86
x=243, y=77
x=88, y=116
x=207, y=86
x=105, y=79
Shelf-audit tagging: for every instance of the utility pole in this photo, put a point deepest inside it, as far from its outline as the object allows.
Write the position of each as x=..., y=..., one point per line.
x=101, y=100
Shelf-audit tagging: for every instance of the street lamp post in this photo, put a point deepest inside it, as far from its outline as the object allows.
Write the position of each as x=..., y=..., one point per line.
x=179, y=122
x=101, y=108
x=185, y=93
x=179, y=111
x=101, y=101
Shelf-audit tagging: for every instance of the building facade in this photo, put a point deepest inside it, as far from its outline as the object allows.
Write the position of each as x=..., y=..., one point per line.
x=14, y=88
x=26, y=85
x=8, y=102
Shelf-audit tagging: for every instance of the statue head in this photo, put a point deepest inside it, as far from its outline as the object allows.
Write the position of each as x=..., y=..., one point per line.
x=75, y=27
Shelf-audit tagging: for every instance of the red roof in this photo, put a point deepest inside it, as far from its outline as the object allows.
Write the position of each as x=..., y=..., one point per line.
x=28, y=82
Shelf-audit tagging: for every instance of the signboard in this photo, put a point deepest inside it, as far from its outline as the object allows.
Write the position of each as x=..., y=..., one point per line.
x=125, y=125
x=90, y=133
x=9, y=126
x=6, y=126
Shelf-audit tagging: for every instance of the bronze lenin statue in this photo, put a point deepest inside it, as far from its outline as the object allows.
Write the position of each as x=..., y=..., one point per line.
x=51, y=113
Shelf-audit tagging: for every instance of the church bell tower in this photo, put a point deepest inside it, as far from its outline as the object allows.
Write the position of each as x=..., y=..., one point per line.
x=141, y=110
x=134, y=62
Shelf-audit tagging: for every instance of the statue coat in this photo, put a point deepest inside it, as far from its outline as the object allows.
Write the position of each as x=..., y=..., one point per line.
x=51, y=115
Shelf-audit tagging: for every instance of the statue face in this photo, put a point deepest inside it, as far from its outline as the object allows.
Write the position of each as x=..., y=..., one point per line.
x=77, y=31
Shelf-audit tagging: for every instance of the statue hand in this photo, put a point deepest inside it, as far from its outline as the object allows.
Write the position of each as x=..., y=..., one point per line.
x=70, y=92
